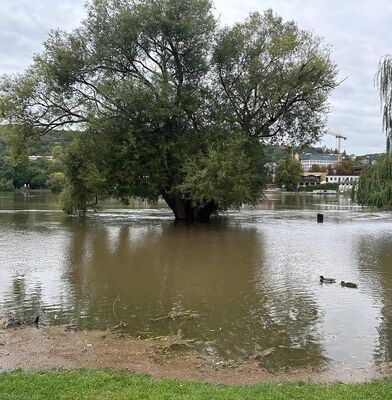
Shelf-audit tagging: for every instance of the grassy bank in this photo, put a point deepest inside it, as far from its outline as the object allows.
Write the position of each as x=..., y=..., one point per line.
x=84, y=384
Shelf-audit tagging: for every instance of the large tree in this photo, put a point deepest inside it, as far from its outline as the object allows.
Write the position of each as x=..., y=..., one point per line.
x=169, y=104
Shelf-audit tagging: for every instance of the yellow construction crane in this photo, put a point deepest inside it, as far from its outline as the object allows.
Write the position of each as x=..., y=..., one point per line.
x=338, y=137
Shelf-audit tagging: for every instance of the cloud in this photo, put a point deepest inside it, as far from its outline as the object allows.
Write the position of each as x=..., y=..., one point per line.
x=25, y=25
x=358, y=32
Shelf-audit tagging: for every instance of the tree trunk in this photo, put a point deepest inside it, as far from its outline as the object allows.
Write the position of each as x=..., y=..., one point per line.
x=185, y=210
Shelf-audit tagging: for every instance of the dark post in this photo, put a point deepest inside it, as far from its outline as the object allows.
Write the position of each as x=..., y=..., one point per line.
x=320, y=218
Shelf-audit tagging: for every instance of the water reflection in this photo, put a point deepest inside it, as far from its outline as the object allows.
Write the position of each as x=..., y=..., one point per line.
x=252, y=277
x=209, y=269
x=375, y=268
x=300, y=201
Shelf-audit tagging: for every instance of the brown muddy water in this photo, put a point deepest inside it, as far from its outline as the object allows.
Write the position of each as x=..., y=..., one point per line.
x=251, y=277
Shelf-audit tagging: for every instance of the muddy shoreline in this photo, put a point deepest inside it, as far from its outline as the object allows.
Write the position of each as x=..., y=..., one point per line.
x=55, y=347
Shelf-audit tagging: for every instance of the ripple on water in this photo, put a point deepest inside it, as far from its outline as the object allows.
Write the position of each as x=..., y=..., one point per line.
x=253, y=277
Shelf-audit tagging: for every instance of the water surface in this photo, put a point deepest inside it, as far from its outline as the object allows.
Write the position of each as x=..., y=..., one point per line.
x=251, y=275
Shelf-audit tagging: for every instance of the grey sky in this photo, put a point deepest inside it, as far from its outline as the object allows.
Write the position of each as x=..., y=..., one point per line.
x=357, y=30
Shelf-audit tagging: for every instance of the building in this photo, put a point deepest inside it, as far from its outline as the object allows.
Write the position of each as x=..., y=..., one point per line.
x=312, y=178
x=35, y=158
x=345, y=182
x=323, y=160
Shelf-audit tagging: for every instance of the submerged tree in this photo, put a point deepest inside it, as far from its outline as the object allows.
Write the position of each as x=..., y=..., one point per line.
x=374, y=187
x=170, y=106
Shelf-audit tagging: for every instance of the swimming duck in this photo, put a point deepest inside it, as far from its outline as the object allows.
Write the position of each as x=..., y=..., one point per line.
x=349, y=284
x=326, y=280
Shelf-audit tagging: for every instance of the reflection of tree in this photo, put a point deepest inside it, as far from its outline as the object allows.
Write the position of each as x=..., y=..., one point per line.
x=375, y=262
x=30, y=246
x=211, y=269
x=289, y=307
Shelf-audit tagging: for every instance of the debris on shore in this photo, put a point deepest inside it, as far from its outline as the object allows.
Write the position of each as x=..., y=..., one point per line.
x=173, y=356
x=174, y=314
x=15, y=322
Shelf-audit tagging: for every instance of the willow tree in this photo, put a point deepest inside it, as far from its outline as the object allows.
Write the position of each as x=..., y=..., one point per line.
x=384, y=85
x=169, y=105
x=374, y=188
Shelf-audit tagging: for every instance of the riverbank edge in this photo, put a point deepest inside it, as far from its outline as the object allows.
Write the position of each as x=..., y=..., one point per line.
x=33, y=349
x=105, y=384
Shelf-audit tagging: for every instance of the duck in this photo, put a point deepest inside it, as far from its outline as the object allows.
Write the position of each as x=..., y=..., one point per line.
x=349, y=284
x=327, y=280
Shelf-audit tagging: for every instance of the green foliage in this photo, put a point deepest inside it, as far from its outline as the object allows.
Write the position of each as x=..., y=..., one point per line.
x=57, y=151
x=374, y=187
x=20, y=176
x=15, y=168
x=323, y=186
x=17, y=146
x=287, y=173
x=35, y=173
x=6, y=185
x=85, y=180
x=6, y=169
x=2, y=146
x=231, y=172
x=56, y=182
x=384, y=83
x=276, y=79
x=161, y=93
x=344, y=167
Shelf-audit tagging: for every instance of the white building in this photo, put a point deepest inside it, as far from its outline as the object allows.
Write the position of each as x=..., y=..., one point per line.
x=323, y=160
x=35, y=158
x=345, y=182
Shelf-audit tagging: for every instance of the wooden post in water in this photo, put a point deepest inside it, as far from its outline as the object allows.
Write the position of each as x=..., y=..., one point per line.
x=320, y=218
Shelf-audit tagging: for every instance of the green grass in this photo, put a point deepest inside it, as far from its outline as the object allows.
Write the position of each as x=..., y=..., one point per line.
x=82, y=384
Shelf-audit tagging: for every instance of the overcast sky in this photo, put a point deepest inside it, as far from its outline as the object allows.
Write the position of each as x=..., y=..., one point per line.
x=357, y=30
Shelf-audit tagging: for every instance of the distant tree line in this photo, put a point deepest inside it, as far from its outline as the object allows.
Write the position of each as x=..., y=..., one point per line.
x=17, y=172
x=322, y=186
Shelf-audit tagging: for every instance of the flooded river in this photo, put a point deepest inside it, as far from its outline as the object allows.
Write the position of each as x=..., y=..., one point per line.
x=252, y=276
